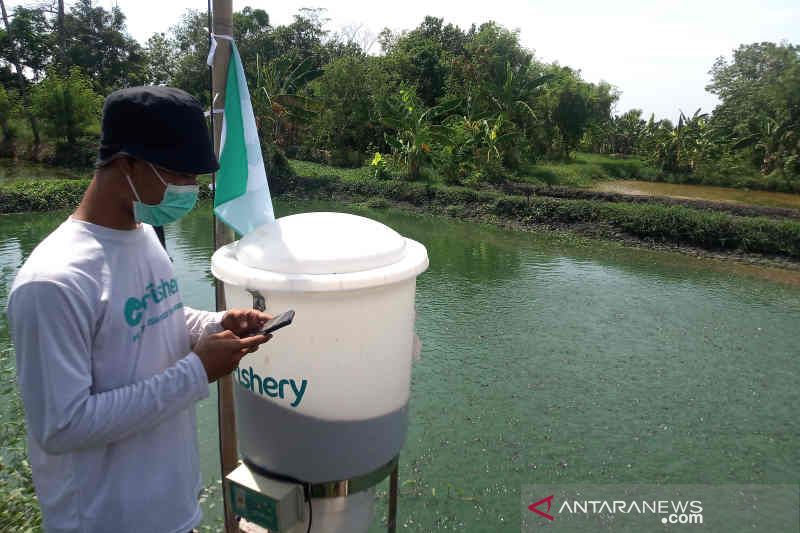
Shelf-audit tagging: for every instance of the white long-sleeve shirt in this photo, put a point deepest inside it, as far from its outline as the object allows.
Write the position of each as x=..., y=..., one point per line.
x=109, y=381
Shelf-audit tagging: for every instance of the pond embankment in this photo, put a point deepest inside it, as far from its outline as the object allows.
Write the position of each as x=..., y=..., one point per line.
x=691, y=191
x=752, y=233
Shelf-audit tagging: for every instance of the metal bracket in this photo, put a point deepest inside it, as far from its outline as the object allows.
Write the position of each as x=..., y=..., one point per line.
x=259, y=302
x=337, y=489
x=334, y=489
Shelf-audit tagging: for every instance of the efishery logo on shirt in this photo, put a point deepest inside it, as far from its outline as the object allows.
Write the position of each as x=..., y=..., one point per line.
x=135, y=307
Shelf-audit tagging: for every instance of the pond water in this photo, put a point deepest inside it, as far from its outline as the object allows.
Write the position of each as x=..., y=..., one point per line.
x=700, y=192
x=549, y=359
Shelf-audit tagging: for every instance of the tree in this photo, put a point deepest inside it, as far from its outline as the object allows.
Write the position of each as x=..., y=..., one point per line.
x=302, y=40
x=513, y=101
x=67, y=106
x=423, y=56
x=189, y=44
x=686, y=145
x=627, y=132
x=346, y=120
x=160, y=60
x=98, y=44
x=9, y=107
x=759, y=110
x=489, y=51
x=572, y=106
x=61, y=32
x=491, y=57
x=280, y=111
x=12, y=42
x=28, y=40
x=254, y=38
x=414, y=133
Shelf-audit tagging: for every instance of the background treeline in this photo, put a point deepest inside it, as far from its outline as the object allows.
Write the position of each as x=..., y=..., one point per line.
x=466, y=106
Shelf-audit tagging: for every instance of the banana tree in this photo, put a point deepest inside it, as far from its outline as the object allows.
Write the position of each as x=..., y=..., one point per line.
x=774, y=142
x=685, y=145
x=414, y=132
x=627, y=131
x=516, y=90
x=279, y=109
x=512, y=101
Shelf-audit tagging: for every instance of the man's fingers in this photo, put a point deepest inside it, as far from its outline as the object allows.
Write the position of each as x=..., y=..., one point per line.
x=245, y=351
x=255, y=340
x=242, y=321
x=256, y=318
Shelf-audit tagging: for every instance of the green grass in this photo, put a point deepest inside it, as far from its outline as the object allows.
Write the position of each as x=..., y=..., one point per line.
x=585, y=169
x=307, y=169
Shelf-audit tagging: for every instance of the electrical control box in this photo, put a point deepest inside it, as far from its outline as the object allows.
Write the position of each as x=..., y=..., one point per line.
x=272, y=504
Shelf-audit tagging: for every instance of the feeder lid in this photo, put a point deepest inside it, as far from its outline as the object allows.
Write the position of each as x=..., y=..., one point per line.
x=321, y=243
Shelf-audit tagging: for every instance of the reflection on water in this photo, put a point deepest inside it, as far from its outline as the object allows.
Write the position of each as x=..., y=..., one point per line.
x=550, y=359
x=10, y=261
x=701, y=192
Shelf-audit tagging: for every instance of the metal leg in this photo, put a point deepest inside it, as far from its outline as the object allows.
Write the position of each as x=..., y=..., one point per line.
x=392, y=522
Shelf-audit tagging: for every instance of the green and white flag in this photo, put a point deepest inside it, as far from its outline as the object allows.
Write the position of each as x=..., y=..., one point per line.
x=241, y=198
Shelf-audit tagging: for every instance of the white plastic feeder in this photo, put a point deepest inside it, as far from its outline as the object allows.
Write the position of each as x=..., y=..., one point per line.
x=326, y=399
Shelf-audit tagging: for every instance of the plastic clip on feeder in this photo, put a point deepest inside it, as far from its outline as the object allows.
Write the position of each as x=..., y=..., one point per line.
x=325, y=402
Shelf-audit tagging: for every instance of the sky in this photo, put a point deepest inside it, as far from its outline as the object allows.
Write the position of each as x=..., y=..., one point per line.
x=657, y=53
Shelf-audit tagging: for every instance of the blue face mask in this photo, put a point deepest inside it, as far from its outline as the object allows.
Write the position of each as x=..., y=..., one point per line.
x=178, y=200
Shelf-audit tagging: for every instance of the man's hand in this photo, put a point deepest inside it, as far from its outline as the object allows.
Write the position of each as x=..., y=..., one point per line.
x=220, y=353
x=244, y=321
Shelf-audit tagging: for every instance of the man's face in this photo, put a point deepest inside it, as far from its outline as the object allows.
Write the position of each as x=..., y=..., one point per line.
x=150, y=188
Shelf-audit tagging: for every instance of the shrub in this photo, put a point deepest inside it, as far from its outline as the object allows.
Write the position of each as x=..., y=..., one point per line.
x=275, y=162
x=80, y=153
x=41, y=195
x=379, y=166
x=67, y=106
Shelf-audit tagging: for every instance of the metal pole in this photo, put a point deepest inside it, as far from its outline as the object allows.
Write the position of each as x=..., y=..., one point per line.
x=228, y=456
x=392, y=522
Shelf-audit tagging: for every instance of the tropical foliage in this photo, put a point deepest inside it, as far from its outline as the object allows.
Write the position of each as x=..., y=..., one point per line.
x=471, y=106
x=754, y=129
x=66, y=105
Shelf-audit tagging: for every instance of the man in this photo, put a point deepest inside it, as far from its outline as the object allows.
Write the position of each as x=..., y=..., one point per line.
x=110, y=363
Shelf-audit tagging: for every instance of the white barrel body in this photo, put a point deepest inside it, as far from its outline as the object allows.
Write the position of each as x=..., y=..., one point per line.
x=328, y=395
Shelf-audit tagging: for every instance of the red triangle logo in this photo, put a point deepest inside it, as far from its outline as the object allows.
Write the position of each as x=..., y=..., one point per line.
x=533, y=507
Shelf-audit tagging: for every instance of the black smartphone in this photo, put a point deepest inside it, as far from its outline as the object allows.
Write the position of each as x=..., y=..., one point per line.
x=280, y=321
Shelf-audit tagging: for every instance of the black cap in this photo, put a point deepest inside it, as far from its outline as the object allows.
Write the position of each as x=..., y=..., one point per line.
x=162, y=125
